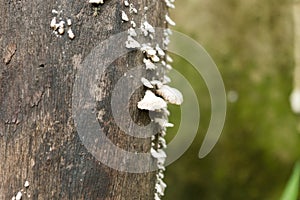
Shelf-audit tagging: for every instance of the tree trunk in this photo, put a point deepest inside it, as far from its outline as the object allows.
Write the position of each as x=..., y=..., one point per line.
x=39, y=142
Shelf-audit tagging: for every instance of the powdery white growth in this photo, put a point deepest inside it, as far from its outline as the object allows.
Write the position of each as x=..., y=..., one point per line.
x=19, y=196
x=132, y=43
x=96, y=1
x=170, y=21
x=132, y=32
x=170, y=94
x=156, y=196
x=163, y=122
x=295, y=101
x=124, y=16
x=151, y=102
x=146, y=83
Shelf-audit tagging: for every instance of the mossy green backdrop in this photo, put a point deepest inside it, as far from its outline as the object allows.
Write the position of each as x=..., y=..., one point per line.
x=251, y=42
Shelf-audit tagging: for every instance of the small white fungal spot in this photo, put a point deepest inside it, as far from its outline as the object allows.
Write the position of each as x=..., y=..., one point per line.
x=13, y=198
x=295, y=101
x=132, y=9
x=147, y=28
x=166, y=79
x=159, y=153
x=151, y=102
x=155, y=58
x=170, y=94
x=19, y=196
x=169, y=59
x=124, y=16
x=146, y=83
x=132, y=32
x=61, y=30
x=158, y=84
x=26, y=184
x=170, y=21
x=54, y=11
x=169, y=67
x=53, y=23
x=96, y=1
x=169, y=4
x=149, y=64
x=133, y=24
x=160, y=52
x=126, y=3
x=71, y=34
x=69, y=22
x=132, y=43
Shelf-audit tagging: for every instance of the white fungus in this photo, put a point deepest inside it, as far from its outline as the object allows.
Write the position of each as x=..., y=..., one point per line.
x=132, y=9
x=19, y=196
x=53, y=23
x=169, y=59
x=124, y=16
x=170, y=94
x=26, y=184
x=147, y=28
x=170, y=3
x=71, y=34
x=126, y=3
x=170, y=21
x=54, y=11
x=151, y=102
x=156, y=83
x=295, y=101
x=149, y=64
x=132, y=43
x=146, y=83
x=69, y=22
x=133, y=24
x=132, y=32
x=96, y=1
x=160, y=52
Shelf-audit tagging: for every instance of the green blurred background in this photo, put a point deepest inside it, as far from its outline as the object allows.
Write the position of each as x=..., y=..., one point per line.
x=251, y=42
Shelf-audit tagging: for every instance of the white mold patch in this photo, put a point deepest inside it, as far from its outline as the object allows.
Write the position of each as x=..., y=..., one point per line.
x=151, y=102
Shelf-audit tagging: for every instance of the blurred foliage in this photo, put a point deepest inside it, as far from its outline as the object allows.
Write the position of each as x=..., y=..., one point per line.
x=292, y=189
x=251, y=42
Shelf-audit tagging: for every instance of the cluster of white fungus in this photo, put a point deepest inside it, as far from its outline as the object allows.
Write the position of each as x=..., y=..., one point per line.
x=59, y=25
x=19, y=194
x=158, y=93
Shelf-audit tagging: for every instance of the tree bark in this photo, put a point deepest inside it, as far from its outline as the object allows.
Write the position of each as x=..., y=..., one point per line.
x=38, y=138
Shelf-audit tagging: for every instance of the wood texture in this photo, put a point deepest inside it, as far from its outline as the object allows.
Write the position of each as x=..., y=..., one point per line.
x=38, y=139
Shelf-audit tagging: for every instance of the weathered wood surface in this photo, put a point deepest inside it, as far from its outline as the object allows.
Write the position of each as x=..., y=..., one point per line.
x=38, y=139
